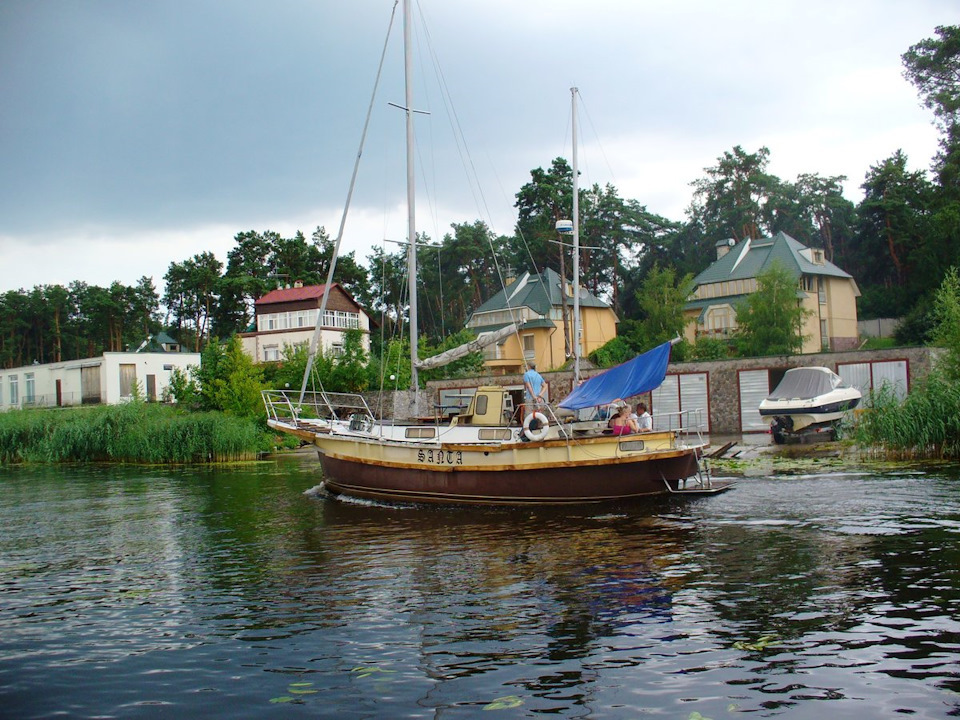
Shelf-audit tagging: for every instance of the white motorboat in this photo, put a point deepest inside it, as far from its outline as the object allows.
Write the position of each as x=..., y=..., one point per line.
x=808, y=400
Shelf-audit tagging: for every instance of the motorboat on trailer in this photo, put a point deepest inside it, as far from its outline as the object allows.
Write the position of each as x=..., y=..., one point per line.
x=808, y=400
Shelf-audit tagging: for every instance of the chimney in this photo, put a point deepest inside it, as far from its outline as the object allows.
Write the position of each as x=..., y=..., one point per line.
x=724, y=246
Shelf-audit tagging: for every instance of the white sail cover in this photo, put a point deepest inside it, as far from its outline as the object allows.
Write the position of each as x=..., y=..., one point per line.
x=478, y=343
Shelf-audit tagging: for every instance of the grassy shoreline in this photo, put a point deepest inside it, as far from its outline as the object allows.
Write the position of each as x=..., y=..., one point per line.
x=134, y=432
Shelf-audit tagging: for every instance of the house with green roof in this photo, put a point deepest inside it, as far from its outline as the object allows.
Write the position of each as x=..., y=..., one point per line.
x=829, y=293
x=542, y=307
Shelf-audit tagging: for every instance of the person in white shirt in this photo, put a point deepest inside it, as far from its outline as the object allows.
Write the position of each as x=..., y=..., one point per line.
x=643, y=418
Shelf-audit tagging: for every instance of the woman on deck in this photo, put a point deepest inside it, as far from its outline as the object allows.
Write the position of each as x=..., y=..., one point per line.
x=622, y=423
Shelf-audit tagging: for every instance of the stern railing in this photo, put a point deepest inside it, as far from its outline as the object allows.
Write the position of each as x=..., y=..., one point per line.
x=285, y=406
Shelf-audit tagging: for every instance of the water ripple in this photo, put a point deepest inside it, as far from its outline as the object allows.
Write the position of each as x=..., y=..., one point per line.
x=224, y=593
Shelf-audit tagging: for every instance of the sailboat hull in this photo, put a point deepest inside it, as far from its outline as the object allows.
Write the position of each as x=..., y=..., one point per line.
x=553, y=473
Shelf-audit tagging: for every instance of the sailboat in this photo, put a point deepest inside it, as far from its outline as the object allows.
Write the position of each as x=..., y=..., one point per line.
x=484, y=456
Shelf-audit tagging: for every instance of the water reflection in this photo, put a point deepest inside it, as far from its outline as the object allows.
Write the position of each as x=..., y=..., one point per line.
x=219, y=591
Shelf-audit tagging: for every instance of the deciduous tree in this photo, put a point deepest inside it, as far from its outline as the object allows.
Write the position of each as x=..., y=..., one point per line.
x=770, y=320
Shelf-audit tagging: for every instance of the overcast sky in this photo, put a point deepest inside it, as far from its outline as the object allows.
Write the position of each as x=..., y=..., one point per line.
x=136, y=134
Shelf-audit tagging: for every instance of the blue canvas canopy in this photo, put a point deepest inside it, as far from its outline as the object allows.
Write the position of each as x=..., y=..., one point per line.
x=634, y=377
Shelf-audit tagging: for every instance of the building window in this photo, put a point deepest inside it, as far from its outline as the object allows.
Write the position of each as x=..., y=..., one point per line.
x=128, y=379
x=822, y=290
x=529, y=347
x=293, y=320
x=340, y=319
x=492, y=352
x=336, y=350
x=719, y=320
x=14, y=390
x=30, y=389
x=271, y=353
x=824, y=337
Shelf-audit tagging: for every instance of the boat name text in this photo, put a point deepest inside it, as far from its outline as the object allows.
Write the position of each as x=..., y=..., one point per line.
x=440, y=457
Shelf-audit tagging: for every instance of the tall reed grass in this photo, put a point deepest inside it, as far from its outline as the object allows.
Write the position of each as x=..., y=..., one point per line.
x=135, y=432
x=925, y=424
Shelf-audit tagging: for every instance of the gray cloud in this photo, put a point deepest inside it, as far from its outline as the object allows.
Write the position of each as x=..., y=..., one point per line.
x=123, y=120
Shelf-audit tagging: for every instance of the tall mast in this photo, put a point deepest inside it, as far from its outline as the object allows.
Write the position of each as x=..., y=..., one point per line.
x=576, y=245
x=411, y=206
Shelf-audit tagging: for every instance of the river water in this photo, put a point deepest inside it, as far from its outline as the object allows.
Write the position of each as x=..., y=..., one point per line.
x=230, y=593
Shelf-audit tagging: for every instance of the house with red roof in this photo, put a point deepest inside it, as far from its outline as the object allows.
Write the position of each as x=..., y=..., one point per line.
x=288, y=316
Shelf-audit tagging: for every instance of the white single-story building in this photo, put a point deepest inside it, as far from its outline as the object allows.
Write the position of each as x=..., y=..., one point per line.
x=108, y=379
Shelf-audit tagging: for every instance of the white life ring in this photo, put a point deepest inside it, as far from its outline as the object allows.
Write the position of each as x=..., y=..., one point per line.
x=541, y=432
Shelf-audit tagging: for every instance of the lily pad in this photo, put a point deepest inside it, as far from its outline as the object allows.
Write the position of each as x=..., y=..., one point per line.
x=762, y=643
x=504, y=703
x=301, y=690
x=368, y=670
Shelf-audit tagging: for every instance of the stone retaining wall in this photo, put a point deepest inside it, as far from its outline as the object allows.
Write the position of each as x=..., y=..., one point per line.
x=722, y=377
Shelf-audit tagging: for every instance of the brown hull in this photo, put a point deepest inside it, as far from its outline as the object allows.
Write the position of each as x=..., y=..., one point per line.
x=533, y=486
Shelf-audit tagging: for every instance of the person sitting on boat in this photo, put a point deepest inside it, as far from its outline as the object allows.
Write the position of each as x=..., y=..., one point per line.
x=534, y=387
x=622, y=423
x=642, y=418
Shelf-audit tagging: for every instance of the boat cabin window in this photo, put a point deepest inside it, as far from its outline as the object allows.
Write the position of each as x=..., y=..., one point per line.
x=421, y=432
x=632, y=446
x=481, y=408
x=495, y=434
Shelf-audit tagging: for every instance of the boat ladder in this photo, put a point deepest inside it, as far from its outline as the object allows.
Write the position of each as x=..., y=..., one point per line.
x=699, y=484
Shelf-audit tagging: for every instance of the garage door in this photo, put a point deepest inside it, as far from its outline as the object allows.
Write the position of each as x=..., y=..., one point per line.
x=666, y=403
x=869, y=376
x=892, y=373
x=685, y=393
x=754, y=387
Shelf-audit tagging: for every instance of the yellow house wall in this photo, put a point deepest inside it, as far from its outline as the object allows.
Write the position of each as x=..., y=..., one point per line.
x=548, y=348
x=842, y=311
x=811, y=324
x=690, y=328
x=599, y=326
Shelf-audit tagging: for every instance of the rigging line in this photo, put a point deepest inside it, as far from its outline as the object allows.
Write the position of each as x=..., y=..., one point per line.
x=463, y=150
x=443, y=323
x=466, y=157
x=383, y=318
x=385, y=341
x=603, y=153
x=343, y=219
x=428, y=182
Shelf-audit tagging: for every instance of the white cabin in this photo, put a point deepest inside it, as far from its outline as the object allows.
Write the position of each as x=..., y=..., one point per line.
x=109, y=379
